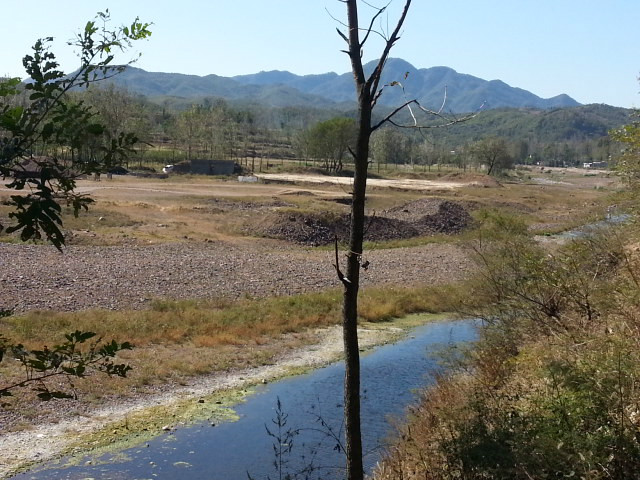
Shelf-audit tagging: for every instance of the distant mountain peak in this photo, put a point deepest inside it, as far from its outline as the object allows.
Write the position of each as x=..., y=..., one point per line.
x=465, y=93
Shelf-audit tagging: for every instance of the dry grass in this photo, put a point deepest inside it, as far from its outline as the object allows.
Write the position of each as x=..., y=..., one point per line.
x=541, y=395
x=209, y=323
x=175, y=340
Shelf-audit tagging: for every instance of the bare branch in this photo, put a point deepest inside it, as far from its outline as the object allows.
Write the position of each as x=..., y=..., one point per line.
x=446, y=121
x=444, y=100
x=392, y=114
x=344, y=37
x=373, y=19
x=354, y=44
x=341, y=276
x=374, y=79
x=337, y=20
x=376, y=97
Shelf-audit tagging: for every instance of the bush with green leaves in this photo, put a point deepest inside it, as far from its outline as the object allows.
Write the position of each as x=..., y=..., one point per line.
x=552, y=388
x=48, y=139
x=68, y=360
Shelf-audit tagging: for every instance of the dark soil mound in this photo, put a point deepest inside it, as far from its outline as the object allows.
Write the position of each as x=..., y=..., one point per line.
x=414, y=211
x=423, y=217
x=450, y=218
x=306, y=229
x=379, y=229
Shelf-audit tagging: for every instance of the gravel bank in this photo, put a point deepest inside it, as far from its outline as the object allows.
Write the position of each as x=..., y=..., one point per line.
x=128, y=277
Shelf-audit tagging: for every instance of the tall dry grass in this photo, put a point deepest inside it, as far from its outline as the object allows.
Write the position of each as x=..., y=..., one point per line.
x=552, y=390
x=175, y=340
x=226, y=322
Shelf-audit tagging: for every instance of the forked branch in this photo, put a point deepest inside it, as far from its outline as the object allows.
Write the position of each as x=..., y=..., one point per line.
x=374, y=80
x=371, y=85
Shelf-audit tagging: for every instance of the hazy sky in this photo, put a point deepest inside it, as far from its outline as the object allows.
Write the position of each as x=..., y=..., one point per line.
x=588, y=49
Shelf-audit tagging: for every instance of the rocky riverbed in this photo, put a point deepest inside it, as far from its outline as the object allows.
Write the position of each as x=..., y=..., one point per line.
x=129, y=277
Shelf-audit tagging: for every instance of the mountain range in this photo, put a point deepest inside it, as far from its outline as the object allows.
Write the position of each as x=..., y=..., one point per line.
x=464, y=93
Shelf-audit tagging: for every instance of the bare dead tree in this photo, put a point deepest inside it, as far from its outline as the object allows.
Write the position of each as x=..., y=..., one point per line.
x=368, y=91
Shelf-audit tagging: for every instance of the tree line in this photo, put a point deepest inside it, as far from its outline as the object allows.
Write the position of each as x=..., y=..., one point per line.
x=213, y=128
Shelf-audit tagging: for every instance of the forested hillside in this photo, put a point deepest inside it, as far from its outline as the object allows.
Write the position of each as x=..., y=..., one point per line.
x=176, y=129
x=429, y=85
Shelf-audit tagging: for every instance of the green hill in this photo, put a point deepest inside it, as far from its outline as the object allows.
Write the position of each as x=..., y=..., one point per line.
x=330, y=90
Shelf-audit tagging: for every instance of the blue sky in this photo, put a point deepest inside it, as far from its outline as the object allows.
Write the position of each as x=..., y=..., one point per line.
x=587, y=49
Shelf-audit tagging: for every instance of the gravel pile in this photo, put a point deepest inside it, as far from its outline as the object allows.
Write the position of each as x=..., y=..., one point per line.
x=426, y=216
x=306, y=229
x=124, y=277
x=414, y=211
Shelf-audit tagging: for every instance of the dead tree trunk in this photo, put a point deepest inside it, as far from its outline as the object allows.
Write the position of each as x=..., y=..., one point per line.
x=351, y=289
x=367, y=93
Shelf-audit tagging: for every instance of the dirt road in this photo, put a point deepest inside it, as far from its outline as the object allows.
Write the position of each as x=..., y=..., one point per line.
x=405, y=183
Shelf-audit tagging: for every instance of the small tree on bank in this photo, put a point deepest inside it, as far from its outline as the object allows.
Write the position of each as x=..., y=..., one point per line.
x=368, y=88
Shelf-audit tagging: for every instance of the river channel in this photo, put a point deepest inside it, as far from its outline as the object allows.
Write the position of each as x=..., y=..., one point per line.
x=313, y=405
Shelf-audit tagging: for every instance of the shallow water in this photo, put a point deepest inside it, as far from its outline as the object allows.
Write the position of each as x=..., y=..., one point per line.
x=228, y=451
x=592, y=228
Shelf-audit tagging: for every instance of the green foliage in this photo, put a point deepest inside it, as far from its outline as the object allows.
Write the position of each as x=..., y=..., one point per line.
x=329, y=142
x=551, y=389
x=391, y=146
x=629, y=161
x=50, y=121
x=493, y=153
x=68, y=360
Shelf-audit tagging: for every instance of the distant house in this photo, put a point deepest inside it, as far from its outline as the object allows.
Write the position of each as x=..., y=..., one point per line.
x=32, y=167
x=594, y=165
x=213, y=167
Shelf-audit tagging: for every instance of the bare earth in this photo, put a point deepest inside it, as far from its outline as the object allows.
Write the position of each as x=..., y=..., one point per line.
x=129, y=277
x=409, y=184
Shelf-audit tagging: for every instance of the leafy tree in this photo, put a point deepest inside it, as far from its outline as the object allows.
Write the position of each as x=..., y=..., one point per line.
x=329, y=142
x=52, y=123
x=190, y=128
x=493, y=153
x=522, y=151
x=629, y=160
x=119, y=111
x=390, y=146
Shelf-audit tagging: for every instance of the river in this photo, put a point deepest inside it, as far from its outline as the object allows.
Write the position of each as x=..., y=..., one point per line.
x=313, y=406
